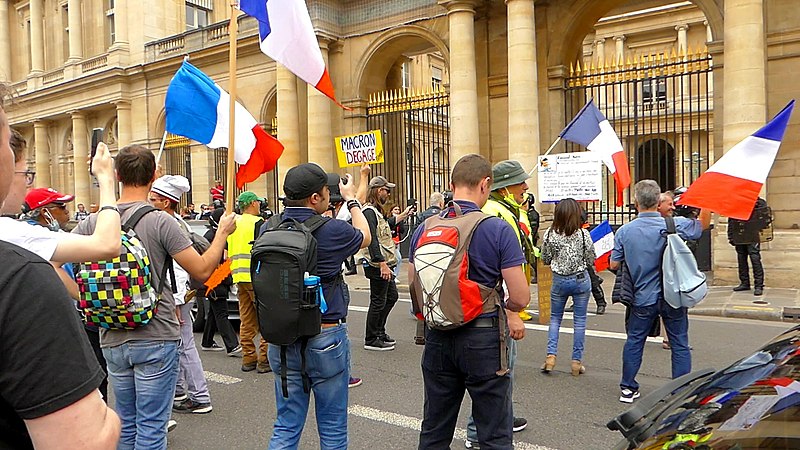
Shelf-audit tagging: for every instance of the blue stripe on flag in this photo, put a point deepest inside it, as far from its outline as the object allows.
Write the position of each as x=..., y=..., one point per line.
x=599, y=231
x=775, y=128
x=191, y=104
x=585, y=127
x=258, y=10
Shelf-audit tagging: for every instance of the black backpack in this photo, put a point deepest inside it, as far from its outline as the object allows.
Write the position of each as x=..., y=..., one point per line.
x=281, y=255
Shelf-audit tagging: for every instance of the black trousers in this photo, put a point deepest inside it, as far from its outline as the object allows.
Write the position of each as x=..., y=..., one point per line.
x=753, y=251
x=465, y=359
x=382, y=298
x=597, y=288
x=94, y=339
x=217, y=320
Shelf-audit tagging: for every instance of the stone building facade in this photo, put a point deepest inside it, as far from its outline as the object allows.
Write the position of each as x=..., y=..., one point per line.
x=505, y=65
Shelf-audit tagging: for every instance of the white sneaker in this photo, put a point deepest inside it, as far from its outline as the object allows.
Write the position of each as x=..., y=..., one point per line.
x=471, y=444
x=236, y=351
x=628, y=396
x=171, y=425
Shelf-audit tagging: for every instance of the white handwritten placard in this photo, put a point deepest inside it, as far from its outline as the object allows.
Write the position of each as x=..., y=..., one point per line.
x=570, y=175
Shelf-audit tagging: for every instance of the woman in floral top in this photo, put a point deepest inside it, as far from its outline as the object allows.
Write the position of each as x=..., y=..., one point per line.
x=568, y=250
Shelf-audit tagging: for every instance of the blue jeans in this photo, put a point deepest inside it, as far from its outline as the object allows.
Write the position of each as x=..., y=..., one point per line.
x=143, y=375
x=472, y=430
x=579, y=286
x=676, y=321
x=327, y=361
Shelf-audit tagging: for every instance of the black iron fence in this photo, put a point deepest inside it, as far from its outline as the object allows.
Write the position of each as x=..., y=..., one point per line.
x=177, y=160
x=416, y=138
x=662, y=108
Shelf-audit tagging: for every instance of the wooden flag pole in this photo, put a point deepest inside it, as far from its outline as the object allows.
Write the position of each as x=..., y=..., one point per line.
x=552, y=146
x=233, y=31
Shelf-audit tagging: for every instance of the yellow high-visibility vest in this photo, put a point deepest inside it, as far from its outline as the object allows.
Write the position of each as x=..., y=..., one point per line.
x=239, y=246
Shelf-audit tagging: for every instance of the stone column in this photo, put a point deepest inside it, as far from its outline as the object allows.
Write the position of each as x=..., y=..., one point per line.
x=75, y=31
x=80, y=152
x=600, y=52
x=120, y=24
x=464, y=128
x=709, y=35
x=619, y=55
x=37, y=37
x=5, y=43
x=744, y=89
x=320, y=133
x=682, y=41
x=288, y=123
x=523, y=95
x=124, y=126
x=41, y=150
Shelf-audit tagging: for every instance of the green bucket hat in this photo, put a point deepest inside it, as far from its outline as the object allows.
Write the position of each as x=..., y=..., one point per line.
x=508, y=173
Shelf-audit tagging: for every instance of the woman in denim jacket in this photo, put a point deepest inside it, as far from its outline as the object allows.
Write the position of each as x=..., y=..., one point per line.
x=568, y=250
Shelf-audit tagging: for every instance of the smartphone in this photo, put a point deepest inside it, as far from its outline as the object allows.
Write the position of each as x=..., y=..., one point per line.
x=97, y=137
x=411, y=202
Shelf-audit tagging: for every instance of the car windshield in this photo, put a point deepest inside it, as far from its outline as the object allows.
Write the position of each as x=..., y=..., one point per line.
x=755, y=403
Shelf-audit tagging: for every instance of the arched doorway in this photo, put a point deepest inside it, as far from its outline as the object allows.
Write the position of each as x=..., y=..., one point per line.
x=655, y=160
x=403, y=74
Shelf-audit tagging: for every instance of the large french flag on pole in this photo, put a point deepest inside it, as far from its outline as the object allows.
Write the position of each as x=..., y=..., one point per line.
x=592, y=130
x=603, y=238
x=197, y=108
x=731, y=186
x=287, y=36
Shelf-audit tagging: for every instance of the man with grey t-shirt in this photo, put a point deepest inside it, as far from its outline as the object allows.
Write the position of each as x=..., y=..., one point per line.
x=143, y=362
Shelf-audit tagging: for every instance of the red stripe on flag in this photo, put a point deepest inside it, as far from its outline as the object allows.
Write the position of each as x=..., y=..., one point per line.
x=602, y=262
x=262, y=160
x=622, y=174
x=724, y=194
x=326, y=87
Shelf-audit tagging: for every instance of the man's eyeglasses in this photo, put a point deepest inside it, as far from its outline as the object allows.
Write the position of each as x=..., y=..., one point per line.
x=30, y=176
x=388, y=191
x=58, y=206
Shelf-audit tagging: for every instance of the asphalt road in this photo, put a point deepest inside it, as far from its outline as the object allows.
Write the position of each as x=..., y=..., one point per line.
x=563, y=412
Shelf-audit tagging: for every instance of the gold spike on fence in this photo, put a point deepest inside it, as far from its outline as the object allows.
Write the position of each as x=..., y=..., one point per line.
x=404, y=99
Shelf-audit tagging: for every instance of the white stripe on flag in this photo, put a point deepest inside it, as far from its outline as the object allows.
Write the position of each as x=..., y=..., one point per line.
x=292, y=41
x=606, y=144
x=750, y=159
x=604, y=245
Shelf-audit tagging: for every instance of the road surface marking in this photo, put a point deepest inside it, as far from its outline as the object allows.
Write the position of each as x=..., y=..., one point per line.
x=412, y=423
x=220, y=378
x=565, y=330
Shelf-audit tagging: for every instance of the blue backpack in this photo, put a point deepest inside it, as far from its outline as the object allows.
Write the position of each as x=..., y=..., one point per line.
x=684, y=284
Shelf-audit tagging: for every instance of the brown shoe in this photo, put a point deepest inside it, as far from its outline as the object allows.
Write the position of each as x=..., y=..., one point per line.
x=249, y=367
x=549, y=363
x=263, y=367
x=577, y=368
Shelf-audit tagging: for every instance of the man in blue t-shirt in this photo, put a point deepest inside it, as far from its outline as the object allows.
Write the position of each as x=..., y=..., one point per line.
x=469, y=357
x=640, y=244
x=328, y=353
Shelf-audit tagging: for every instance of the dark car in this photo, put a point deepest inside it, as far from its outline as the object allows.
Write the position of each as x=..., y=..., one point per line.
x=200, y=307
x=753, y=404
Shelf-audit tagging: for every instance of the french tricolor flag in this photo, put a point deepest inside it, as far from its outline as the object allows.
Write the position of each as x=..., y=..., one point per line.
x=197, y=108
x=591, y=129
x=603, y=238
x=731, y=186
x=287, y=36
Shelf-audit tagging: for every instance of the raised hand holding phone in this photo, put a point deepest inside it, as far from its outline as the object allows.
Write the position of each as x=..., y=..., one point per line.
x=97, y=137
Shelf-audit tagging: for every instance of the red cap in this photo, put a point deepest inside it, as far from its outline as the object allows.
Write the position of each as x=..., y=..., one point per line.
x=36, y=198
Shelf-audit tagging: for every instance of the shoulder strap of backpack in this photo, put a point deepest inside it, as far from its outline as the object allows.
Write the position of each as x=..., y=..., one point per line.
x=670, y=225
x=314, y=222
x=168, y=268
x=136, y=217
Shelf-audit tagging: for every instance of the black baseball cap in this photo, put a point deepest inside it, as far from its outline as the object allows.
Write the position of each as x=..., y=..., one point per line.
x=304, y=180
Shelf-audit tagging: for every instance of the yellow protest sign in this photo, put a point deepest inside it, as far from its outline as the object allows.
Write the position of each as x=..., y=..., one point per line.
x=357, y=149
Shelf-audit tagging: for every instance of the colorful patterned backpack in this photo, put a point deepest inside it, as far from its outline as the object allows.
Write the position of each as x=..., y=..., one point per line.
x=119, y=294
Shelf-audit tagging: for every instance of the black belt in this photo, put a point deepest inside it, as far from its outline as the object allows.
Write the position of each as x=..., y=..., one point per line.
x=484, y=322
x=335, y=322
